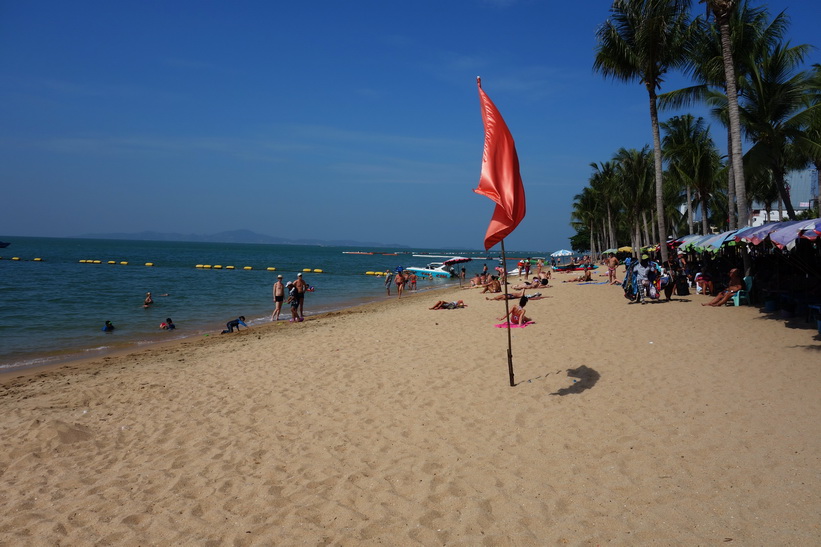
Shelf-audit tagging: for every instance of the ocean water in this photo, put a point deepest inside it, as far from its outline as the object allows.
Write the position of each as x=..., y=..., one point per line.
x=53, y=310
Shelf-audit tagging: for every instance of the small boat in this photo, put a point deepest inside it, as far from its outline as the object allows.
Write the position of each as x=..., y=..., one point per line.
x=4, y=244
x=440, y=269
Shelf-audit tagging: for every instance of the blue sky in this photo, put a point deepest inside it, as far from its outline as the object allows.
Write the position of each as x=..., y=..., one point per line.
x=325, y=119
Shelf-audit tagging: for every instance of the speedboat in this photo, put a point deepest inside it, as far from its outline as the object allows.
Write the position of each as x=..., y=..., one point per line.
x=440, y=269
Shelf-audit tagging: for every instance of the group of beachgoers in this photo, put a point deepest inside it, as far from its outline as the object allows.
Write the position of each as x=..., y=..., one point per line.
x=403, y=279
x=148, y=302
x=492, y=284
x=295, y=290
x=647, y=279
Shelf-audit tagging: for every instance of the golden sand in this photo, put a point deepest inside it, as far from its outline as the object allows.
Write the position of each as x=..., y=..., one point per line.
x=668, y=424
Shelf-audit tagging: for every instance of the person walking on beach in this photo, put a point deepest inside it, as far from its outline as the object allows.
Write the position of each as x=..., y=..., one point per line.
x=388, y=282
x=279, y=298
x=641, y=273
x=400, y=284
x=293, y=300
x=229, y=326
x=302, y=287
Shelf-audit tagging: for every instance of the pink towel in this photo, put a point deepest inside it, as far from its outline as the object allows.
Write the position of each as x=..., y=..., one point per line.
x=514, y=326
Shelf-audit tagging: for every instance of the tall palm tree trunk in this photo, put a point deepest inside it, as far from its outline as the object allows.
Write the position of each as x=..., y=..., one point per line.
x=654, y=120
x=705, y=221
x=689, y=210
x=731, y=215
x=723, y=20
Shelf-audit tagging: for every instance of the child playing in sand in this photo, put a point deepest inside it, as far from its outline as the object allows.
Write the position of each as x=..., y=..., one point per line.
x=235, y=323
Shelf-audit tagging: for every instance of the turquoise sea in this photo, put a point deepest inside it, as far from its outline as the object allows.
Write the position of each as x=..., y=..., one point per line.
x=53, y=309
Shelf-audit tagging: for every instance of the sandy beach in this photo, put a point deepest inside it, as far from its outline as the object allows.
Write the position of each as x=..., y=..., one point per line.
x=666, y=424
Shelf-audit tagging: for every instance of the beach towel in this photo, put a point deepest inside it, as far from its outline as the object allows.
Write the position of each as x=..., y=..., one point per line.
x=594, y=283
x=504, y=325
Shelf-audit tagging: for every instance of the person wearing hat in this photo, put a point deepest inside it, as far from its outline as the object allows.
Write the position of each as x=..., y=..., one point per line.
x=293, y=300
x=301, y=287
x=279, y=297
x=641, y=271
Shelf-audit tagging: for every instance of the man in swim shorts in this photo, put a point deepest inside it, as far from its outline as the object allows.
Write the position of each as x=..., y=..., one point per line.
x=301, y=287
x=279, y=298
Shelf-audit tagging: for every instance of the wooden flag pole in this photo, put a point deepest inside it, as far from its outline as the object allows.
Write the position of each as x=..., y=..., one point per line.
x=507, y=319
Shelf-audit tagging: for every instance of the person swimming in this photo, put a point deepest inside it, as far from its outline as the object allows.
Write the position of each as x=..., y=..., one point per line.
x=108, y=327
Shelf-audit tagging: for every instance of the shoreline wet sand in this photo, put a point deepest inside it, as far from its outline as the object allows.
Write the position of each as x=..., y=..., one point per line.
x=392, y=423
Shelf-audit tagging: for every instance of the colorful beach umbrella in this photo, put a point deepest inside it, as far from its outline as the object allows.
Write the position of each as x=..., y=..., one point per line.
x=562, y=252
x=786, y=236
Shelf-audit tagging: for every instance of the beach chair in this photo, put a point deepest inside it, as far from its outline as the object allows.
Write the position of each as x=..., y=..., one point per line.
x=743, y=296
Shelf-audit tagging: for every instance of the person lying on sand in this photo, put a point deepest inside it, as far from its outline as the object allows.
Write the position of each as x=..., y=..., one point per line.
x=442, y=305
x=586, y=276
x=508, y=296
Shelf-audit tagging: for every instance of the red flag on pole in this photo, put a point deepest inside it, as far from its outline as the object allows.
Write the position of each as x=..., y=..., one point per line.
x=500, y=179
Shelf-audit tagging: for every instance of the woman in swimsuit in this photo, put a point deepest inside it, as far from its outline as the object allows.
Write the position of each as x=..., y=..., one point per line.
x=517, y=313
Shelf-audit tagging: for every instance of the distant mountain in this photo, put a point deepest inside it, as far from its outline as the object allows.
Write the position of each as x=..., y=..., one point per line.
x=240, y=236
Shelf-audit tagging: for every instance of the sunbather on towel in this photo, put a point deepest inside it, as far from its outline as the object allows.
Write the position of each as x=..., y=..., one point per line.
x=442, y=305
x=516, y=315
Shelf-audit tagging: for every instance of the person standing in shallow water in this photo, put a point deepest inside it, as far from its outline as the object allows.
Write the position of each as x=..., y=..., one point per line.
x=388, y=282
x=279, y=298
x=148, y=300
x=400, y=284
x=301, y=287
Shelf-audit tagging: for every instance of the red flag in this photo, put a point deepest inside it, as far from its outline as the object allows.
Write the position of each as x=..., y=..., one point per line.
x=500, y=180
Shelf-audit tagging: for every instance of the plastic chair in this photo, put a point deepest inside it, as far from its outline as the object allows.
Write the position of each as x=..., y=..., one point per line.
x=743, y=295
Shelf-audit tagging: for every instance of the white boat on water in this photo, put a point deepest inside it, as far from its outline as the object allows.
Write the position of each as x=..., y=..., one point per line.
x=440, y=269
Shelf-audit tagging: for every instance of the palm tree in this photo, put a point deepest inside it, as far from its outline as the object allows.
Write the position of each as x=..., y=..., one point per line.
x=722, y=9
x=812, y=154
x=693, y=158
x=751, y=34
x=635, y=173
x=641, y=41
x=775, y=114
x=584, y=214
x=603, y=180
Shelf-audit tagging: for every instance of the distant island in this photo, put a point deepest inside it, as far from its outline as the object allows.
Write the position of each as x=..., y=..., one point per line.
x=240, y=236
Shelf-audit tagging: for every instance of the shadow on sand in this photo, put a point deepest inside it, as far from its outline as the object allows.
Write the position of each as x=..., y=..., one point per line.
x=587, y=378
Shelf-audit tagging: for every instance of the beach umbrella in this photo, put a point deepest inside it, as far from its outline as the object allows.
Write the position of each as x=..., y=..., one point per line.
x=760, y=233
x=562, y=252
x=786, y=236
x=715, y=242
x=625, y=249
x=814, y=231
x=610, y=251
